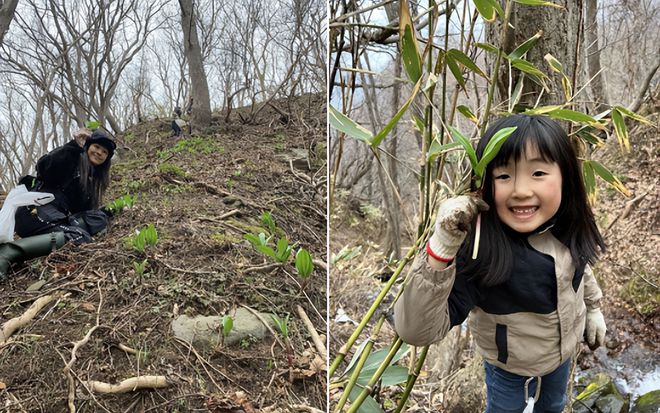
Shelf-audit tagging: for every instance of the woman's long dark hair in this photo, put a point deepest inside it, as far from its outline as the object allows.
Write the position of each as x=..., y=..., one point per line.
x=94, y=180
x=574, y=223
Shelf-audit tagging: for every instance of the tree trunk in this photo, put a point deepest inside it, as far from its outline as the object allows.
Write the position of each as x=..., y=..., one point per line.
x=201, y=109
x=7, y=9
x=560, y=38
x=592, y=50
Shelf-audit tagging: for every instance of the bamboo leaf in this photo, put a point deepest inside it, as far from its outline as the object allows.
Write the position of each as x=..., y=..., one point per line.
x=377, y=357
x=436, y=148
x=465, y=60
x=632, y=115
x=525, y=46
x=488, y=9
x=355, y=358
x=412, y=62
x=488, y=47
x=568, y=89
x=609, y=177
x=571, y=115
x=465, y=142
x=392, y=375
x=541, y=110
x=555, y=64
x=390, y=125
x=419, y=124
x=456, y=71
x=538, y=3
x=526, y=67
x=369, y=405
x=589, y=181
x=344, y=124
x=517, y=92
x=589, y=137
x=491, y=150
x=467, y=112
x=620, y=129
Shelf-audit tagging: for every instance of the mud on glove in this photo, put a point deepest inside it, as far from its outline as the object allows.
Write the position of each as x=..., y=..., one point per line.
x=595, y=328
x=452, y=224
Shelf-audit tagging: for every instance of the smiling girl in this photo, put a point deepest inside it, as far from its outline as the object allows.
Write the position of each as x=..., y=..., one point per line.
x=530, y=293
x=78, y=177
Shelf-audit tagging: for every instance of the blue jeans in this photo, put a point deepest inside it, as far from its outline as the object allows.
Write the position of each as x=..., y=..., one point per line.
x=506, y=391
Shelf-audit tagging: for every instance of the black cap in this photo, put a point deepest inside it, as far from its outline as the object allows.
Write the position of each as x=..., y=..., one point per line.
x=99, y=137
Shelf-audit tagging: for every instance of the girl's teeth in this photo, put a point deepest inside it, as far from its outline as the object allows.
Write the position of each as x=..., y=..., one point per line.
x=524, y=211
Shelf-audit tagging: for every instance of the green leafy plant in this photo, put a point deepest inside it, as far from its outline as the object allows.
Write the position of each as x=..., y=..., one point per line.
x=282, y=324
x=92, y=124
x=172, y=169
x=118, y=205
x=280, y=253
x=145, y=237
x=268, y=220
x=140, y=267
x=304, y=264
x=227, y=326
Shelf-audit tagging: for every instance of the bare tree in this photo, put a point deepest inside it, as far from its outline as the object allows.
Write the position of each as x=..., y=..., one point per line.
x=592, y=51
x=7, y=9
x=201, y=104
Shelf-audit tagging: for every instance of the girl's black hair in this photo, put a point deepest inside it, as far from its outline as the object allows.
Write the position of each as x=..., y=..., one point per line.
x=94, y=180
x=573, y=224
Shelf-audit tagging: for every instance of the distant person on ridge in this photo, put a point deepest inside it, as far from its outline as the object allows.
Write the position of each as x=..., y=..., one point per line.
x=78, y=178
x=177, y=123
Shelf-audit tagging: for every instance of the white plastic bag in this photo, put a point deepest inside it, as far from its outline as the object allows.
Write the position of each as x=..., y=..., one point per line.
x=18, y=197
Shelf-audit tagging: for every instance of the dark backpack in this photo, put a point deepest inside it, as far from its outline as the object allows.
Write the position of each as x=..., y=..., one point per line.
x=32, y=183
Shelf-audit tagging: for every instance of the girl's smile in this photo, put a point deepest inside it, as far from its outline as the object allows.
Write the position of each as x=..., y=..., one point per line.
x=527, y=191
x=97, y=154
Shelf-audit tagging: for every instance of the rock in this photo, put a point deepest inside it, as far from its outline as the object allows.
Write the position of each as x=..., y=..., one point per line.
x=600, y=394
x=36, y=286
x=206, y=331
x=647, y=403
x=612, y=403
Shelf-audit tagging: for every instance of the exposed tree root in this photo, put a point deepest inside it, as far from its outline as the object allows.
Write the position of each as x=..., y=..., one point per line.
x=16, y=323
x=320, y=347
x=129, y=385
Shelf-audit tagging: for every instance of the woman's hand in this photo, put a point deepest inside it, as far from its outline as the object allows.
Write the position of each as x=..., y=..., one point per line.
x=452, y=223
x=595, y=328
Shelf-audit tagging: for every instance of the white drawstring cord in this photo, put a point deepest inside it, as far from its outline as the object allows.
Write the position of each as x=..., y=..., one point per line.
x=531, y=400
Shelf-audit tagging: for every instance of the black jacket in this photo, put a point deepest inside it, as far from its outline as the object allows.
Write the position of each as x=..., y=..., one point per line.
x=59, y=170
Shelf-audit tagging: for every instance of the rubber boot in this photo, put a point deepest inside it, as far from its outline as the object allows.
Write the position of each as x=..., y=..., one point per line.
x=28, y=248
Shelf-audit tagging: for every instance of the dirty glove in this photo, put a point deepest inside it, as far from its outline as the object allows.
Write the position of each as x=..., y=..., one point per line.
x=452, y=224
x=595, y=328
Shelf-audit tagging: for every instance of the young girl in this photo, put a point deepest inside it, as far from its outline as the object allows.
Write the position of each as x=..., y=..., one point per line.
x=78, y=177
x=530, y=291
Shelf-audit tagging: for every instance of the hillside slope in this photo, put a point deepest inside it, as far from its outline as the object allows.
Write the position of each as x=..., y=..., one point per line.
x=202, y=193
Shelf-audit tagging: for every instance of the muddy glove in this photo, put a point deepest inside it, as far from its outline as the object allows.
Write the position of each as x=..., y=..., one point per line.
x=595, y=328
x=452, y=224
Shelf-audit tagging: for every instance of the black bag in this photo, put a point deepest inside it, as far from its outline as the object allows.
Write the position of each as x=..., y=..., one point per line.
x=32, y=183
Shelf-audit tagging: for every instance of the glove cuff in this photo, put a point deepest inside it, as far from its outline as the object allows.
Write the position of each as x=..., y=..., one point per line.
x=444, y=247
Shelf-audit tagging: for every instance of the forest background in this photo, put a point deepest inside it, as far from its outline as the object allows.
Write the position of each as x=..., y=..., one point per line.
x=396, y=91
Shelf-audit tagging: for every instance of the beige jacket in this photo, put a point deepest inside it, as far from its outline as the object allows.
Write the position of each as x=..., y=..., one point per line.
x=526, y=343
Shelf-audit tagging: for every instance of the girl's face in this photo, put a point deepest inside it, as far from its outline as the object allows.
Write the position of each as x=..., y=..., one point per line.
x=97, y=154
x=528, y=192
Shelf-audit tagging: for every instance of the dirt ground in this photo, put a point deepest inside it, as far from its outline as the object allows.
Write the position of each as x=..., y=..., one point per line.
x=202, y=194
x=628, y=272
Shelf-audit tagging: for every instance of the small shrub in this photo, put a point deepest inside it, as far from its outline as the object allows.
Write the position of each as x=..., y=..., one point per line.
x=172, y=169
x=145, y=237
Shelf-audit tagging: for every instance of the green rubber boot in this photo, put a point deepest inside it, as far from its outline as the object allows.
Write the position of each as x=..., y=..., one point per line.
x=28, y=248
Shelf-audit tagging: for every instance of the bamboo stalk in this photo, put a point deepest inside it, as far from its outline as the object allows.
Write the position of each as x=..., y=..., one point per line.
x=360, y=364
x=412, y=378
x=381, y=369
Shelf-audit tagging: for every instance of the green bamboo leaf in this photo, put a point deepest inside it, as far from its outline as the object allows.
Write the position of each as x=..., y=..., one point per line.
x=555, y=64
x=491, y=150
x=487, y=47
x=390, y=125
x=520, y=51
x=541, y=110
x=609, y=177
x=632, y=115
x=517, y=92
x=392, y=376
x=467, y=112
x=412, y=62
x=369, y=405
x=526, y=67
x=456, y=71
x=589, y=181
x=355, y=358
x=488, y=9
x=465, y=142
x=568, y=89
x=571, y=115
x=436, y=148
x=344, y=124
x=620, y=129
x=538, y=3
x=589, y=137
x=419, y=124
x=376, y=358
x=465, y=60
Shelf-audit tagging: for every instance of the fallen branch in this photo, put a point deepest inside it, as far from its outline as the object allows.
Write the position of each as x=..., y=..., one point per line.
x=627, y=209
x=262, y=268
x=320, y=347
x=16, y=323
x=129, y=385
x=303, y=408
